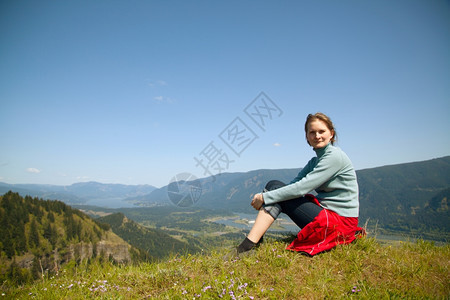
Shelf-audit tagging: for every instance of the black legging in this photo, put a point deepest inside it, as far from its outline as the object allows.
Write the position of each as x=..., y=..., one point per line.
x=301, y=210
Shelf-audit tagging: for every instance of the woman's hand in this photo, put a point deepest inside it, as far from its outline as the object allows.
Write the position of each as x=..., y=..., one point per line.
x=257, y=201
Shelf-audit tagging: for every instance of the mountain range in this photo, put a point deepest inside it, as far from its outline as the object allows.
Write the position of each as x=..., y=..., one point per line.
x=79, y=193
x=410, y=197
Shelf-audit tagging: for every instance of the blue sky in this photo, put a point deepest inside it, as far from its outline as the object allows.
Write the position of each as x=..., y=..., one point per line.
x=134, y=92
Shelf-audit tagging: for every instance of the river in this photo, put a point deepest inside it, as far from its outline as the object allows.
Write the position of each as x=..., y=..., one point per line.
x=246, y=221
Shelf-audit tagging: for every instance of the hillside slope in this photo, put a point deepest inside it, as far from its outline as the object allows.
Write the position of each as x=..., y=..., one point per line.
x=38, y=235
x=156, y=243
x=408, y=197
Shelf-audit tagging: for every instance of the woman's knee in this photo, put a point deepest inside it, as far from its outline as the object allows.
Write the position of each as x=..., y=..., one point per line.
x=273, y=185
x=300, y=209
x=274, y=210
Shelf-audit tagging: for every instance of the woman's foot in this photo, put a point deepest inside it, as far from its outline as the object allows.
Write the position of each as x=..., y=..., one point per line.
x=248, y=245
x=244, y=249
x=245, y=246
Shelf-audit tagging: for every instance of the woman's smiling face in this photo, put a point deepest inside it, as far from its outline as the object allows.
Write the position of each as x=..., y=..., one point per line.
x=318, y=135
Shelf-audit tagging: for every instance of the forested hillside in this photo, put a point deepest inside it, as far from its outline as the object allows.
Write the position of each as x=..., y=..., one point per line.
x=156, y=243
x=32, y=224
x=409, y=198
x=37, y=236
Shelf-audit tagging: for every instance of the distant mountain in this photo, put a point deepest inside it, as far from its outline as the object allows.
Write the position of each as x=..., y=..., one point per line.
x=98, y=190
x=229, y=191
x=79, y=193
x=409, y=197
x=44, y=191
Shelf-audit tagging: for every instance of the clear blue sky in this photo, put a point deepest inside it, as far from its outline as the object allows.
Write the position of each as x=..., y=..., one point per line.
x=132, y=91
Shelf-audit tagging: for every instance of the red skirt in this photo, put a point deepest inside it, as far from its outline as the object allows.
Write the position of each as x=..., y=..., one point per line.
x=326, y=231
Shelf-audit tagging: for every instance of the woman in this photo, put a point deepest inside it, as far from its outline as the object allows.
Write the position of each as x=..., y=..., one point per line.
x=327, y=219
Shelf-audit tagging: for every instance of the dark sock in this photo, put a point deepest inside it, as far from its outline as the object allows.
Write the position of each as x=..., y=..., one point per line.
x=246, y=245
x=261, y=240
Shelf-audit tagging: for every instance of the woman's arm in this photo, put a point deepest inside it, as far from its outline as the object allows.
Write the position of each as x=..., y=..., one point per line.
x=306, y=169
x=327, y=167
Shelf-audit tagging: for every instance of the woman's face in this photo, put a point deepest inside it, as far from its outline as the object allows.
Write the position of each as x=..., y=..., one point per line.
x=318, y=134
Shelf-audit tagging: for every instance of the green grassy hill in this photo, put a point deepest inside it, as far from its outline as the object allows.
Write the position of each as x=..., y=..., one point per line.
x=365, y=269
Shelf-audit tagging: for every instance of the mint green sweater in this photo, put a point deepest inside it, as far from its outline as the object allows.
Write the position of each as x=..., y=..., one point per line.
x=331, y=175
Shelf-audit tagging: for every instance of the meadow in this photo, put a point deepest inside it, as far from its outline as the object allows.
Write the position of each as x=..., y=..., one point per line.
x=365, y=269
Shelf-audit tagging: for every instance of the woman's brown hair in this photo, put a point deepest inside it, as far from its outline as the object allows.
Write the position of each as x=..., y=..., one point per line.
x=324, y=118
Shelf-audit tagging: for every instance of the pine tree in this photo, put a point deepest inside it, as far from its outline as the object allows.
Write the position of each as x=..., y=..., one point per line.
x=51, y=217
x=8, y=246
x=50, y=234
x=36, y=268
x=19, y=238
x=70, y=226
x=34, y=235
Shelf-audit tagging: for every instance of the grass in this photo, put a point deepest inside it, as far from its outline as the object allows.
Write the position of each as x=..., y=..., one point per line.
x=365, y=269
